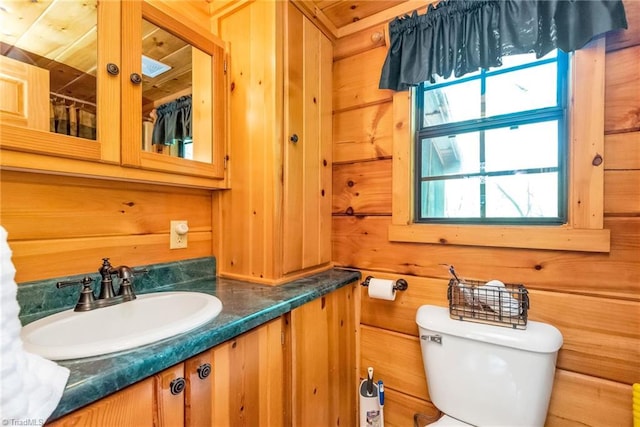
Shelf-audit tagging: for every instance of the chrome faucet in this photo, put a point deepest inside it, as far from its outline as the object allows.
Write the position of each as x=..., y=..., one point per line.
x=107, y=295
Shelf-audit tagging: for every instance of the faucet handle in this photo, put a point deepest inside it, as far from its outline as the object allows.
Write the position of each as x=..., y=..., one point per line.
x=86, y=295
x=126, y=289
x=85, y=281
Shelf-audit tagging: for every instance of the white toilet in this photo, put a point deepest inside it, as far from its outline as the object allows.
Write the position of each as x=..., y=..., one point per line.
x=486, y=375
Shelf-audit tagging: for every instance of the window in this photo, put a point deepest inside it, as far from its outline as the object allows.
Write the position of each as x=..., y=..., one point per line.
x=584, y=227
x=491, y=146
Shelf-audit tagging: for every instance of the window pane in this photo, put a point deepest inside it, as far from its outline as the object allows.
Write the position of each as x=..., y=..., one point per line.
x=452, y=103
x=526, y=58
x=521, y=90
x=450, y=155
x=522, y=196
x=522, y=147
x=454, y=198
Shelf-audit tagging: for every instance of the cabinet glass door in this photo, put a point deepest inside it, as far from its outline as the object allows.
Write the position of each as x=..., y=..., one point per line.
x=51, y=75
x=176, y=71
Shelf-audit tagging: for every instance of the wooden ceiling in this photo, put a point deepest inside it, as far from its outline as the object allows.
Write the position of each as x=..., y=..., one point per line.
x=341, y=12
x=337, y=18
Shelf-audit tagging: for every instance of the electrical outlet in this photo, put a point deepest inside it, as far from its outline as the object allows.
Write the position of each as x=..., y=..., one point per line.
x=178, y=235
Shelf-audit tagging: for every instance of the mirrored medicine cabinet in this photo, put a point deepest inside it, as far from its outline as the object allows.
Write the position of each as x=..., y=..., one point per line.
x=125, y=83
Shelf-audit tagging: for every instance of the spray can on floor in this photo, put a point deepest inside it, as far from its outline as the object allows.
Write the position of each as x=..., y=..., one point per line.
x=370, y=415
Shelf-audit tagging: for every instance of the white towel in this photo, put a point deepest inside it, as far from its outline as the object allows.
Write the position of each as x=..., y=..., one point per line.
x=31, y=385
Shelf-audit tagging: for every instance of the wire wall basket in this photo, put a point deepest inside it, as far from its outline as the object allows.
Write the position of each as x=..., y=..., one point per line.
x=492, y=303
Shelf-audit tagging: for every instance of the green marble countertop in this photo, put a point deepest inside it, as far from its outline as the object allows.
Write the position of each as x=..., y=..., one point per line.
x=245, y=306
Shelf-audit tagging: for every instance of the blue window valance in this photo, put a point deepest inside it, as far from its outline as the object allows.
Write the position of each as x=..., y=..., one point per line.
x=461, y=36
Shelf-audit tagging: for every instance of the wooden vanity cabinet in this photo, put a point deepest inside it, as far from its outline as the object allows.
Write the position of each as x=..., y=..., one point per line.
x=239, y=382
x=130, y=407
x=281, y=128
x=117, y=152
x=296, y=370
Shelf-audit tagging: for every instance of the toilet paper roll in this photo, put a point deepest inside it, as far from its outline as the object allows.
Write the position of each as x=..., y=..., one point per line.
x=382, y=289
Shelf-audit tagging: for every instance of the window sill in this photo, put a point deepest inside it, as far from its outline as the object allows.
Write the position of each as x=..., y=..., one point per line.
x=560, y=238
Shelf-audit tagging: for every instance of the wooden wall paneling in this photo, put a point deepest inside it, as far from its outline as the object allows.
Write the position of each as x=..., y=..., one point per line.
x=622, y=150
x=625, y=241
x=130, y=407
x=356, y=78
x=592, y=298
x=45, y=259
x=580, y=400
x=595, y=342
x=631, y=36
x=362, y=242
x=74, y=222
x=622, y=90
x=360, y=42
x=400, y=408
x=362, y=188
x=363, y=133
x=582, y=320
x=622, y=192
x=37, y=207
x=396, y=359
x=400, y=315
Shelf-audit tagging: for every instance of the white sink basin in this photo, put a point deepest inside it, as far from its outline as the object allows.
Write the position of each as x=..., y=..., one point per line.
x=149, y=318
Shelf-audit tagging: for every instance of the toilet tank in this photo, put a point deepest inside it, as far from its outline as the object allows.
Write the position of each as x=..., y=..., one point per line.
x=488, y=375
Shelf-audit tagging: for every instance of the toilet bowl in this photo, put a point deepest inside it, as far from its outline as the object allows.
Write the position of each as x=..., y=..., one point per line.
x=487, y=375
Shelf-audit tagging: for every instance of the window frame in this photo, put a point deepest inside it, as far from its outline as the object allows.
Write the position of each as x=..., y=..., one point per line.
x=482, y=124
x=584, y=229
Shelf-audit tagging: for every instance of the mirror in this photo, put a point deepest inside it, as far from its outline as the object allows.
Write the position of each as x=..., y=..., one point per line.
x=48, y=61
x=176, y=91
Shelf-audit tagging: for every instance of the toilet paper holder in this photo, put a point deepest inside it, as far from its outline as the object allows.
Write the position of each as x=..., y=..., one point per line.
x=399, y=285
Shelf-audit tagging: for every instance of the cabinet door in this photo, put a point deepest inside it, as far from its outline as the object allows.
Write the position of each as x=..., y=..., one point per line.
x=173, y=72
x=198, y=397
x=131, y=407
x=248, y=380
x=307, y=149
x=323, y=360
x=169, y=397
x=58, y=95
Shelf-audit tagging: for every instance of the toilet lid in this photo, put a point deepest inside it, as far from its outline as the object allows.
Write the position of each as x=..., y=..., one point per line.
x=447, y=421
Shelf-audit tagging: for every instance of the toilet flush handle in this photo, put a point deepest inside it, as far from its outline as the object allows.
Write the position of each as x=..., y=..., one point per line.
x=432, y=338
